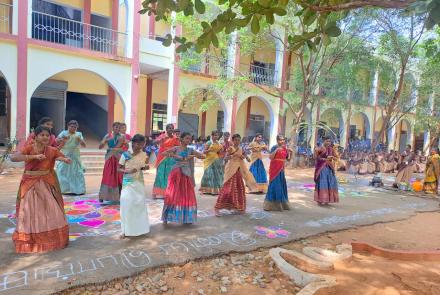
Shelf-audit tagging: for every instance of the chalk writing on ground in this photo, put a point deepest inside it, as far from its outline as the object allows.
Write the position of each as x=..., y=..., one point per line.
x=127, y=259
x=362, y=215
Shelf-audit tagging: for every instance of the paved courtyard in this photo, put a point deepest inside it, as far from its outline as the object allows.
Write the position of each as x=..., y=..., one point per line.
x=96, y=254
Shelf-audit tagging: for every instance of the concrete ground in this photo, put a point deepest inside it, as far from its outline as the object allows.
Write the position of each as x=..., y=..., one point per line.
x=96, y=253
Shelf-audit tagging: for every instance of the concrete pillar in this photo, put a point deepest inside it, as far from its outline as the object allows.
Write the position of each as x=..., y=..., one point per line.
x=313, y=130
x=173, y=81
x=135, y=67
x=233, y=64
x=15, y=17
x=23, y=104
x=343, y=129
x=392, y=138
x=279, y=60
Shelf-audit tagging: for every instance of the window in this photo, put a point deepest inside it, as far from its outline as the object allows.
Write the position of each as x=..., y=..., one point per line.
x=159, y=117
x=101, y=36
x=220, y=120
x=56, y=23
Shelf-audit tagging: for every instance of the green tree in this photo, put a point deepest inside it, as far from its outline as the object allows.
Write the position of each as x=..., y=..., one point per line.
x=234, y=15
x=428, y=108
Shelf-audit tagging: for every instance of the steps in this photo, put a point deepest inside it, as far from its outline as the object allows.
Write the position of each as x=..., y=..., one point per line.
x=93, y=161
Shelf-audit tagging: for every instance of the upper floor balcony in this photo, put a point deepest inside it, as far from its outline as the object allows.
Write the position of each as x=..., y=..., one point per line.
x=77, y=34
x=5, y=18
x=204, y=64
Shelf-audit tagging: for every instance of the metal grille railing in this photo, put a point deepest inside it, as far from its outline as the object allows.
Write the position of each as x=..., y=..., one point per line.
x=5, y=18
x=204, y=64
x=262, y=75
x=77, y=34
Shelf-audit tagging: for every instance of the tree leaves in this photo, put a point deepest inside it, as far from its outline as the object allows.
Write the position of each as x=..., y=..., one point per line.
x=333, y=31
x=200, y=6
x=255, y=24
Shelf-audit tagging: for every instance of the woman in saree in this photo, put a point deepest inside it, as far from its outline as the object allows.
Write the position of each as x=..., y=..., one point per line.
x=134, y=215
x=277, y=198
x=180, y=204
x=257, y=146
x=233, y=196
x=126, y=137
x=164, y=164
x=48, y=123
x=405, y=167
x=41, y=225
x=326, y=185
x=71, y=177
x=432, y=173
x=111, y=183
x=212, y=179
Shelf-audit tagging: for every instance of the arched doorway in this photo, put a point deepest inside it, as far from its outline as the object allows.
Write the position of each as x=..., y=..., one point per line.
x=403, y=134
x=254, y=116
x=77, y=95
x=359, y=127
x=331, y=124
x=5, y=111
x=201, y=112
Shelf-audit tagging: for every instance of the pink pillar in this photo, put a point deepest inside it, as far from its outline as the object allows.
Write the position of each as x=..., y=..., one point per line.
x=248, y=112
x=87, y=20
x=110, y=108
x=176, y=81
x=135, y=72
x=22, y=51
x=149, y=108
x=115, y=24
x=152, y=27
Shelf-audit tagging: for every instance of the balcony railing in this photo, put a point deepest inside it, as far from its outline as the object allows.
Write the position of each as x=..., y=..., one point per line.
x=203, y=64
x=5, y=18
x=262, y=75
x=77, y=34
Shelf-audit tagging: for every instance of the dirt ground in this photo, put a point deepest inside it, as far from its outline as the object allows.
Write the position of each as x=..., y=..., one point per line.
x=255, y=273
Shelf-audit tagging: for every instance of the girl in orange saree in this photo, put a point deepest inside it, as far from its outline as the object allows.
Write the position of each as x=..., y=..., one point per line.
x=41, y=223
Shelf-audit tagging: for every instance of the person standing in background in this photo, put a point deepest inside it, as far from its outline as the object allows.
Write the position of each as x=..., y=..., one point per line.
x=71, y=176
x=111, y=183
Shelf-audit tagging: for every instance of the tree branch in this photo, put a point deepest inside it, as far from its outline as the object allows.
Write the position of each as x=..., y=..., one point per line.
x=399, y=4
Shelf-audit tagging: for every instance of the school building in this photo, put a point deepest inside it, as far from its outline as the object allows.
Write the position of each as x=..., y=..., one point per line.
x=99, y=61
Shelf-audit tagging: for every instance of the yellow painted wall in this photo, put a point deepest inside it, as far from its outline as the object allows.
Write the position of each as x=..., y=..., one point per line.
x=83, y=82
x=142, y=105
x=72, y=3
x=265, y=56
x=160, y=91
x=289, y=122
x=329, y=118
x=257, y=108
x=5, y=14
x=119, y=110
x=145, y=21
x=102, y=7
x=358, y=120
x=162, y=28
